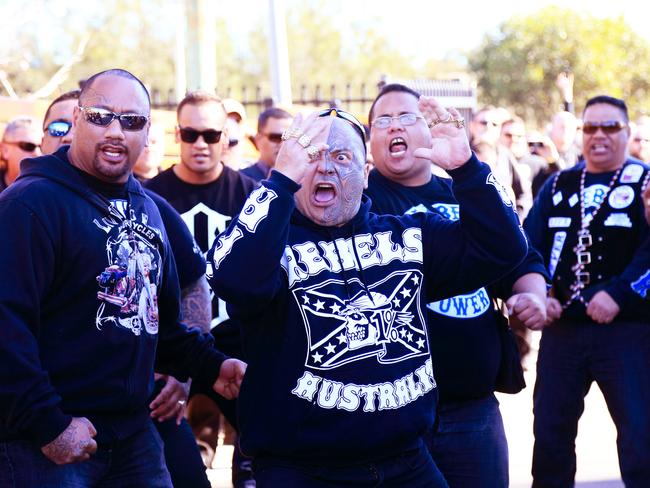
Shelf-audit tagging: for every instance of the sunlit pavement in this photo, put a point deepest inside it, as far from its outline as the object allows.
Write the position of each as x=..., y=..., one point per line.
x=595, y=445
x=597, y=460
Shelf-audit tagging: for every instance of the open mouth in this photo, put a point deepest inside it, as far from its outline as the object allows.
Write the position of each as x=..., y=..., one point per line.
x=599, y=148
x=113, y=153
x=397, y=147
x=324, y=193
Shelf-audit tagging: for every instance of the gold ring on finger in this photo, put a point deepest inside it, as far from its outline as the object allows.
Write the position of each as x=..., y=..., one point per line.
x=291, y=132
x=304, y=140
x=312, y=151
x=460, y=123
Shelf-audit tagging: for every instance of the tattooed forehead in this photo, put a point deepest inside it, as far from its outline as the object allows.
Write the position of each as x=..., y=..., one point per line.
x=343, y=137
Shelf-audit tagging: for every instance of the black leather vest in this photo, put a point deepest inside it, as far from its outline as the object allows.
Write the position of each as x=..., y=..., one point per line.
x=614, y=229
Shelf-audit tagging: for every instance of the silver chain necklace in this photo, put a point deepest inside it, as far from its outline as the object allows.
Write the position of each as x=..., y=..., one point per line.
x=585, y=240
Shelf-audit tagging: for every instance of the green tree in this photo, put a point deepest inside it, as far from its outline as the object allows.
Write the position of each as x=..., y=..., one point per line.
x=517, y=66
x=122, y=34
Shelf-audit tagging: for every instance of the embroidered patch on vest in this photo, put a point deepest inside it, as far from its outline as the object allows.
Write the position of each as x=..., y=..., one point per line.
x=618, y=220
x=621, y=197
x=632, y=173
x=556, y=251
x=555, y=222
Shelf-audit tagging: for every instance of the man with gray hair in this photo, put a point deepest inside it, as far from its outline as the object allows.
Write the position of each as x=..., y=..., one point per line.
x=21, y=139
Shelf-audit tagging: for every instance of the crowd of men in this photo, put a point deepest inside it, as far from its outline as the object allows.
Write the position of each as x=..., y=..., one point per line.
x=362, y=279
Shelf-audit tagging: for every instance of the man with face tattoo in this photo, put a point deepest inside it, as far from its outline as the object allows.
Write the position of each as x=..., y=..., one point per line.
x=332, y=310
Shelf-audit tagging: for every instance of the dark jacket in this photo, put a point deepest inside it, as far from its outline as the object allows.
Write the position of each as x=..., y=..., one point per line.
x=83, y=290
x=340, y=368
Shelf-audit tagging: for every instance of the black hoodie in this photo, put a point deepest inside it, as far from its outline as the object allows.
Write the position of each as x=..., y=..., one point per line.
x=80, y=301
x=333, y=317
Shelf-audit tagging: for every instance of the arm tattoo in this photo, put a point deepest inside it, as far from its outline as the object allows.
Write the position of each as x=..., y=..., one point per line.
x=196, y=305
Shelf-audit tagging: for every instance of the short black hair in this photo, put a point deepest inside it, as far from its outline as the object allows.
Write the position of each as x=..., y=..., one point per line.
x=199, y=97
x=87, y=84
x=69, y=95
x=390, y=88
x=616, y=102
x=271, y=113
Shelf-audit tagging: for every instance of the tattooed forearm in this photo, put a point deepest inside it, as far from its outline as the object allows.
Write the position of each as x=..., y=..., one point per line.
x=196, y=305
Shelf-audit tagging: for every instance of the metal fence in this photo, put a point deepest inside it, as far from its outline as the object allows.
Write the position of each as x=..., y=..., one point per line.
x=353, y=98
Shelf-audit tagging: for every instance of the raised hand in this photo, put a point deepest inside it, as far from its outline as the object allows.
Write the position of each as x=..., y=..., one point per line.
x=564, y=82
x=74, y=444
x=527, y=309
x=230, y=378
x=450, y=146
x=303, y=142
x=171, y=400
x=602, y=308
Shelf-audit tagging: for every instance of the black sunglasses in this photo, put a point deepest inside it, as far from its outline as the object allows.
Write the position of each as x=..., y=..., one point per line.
x=103, y=118
x=25, y=146
x=58, y=128
x=608, y=126
x=190, y=135
x=342, y=114
x=535, y=145
x=273, y=137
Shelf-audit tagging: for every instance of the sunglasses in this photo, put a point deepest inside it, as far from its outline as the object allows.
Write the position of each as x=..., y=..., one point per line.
x=273, y=137
x=59, y=128
x=24, y=146
x=233, y=142
x=608, y=126
x=342, y=114
x=487, y=122
x=190, y=135
x=103, y=118
x=535, y=145
x=384, y=121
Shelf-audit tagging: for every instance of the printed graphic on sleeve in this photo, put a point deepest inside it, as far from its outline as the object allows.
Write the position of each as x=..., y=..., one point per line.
x=129, y=284
x=503, y=193
x=642, y=285
x=383, y=322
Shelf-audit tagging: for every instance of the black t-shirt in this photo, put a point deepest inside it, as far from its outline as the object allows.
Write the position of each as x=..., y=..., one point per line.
x=463, y=330
x=190, y=262
x=206, y=209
